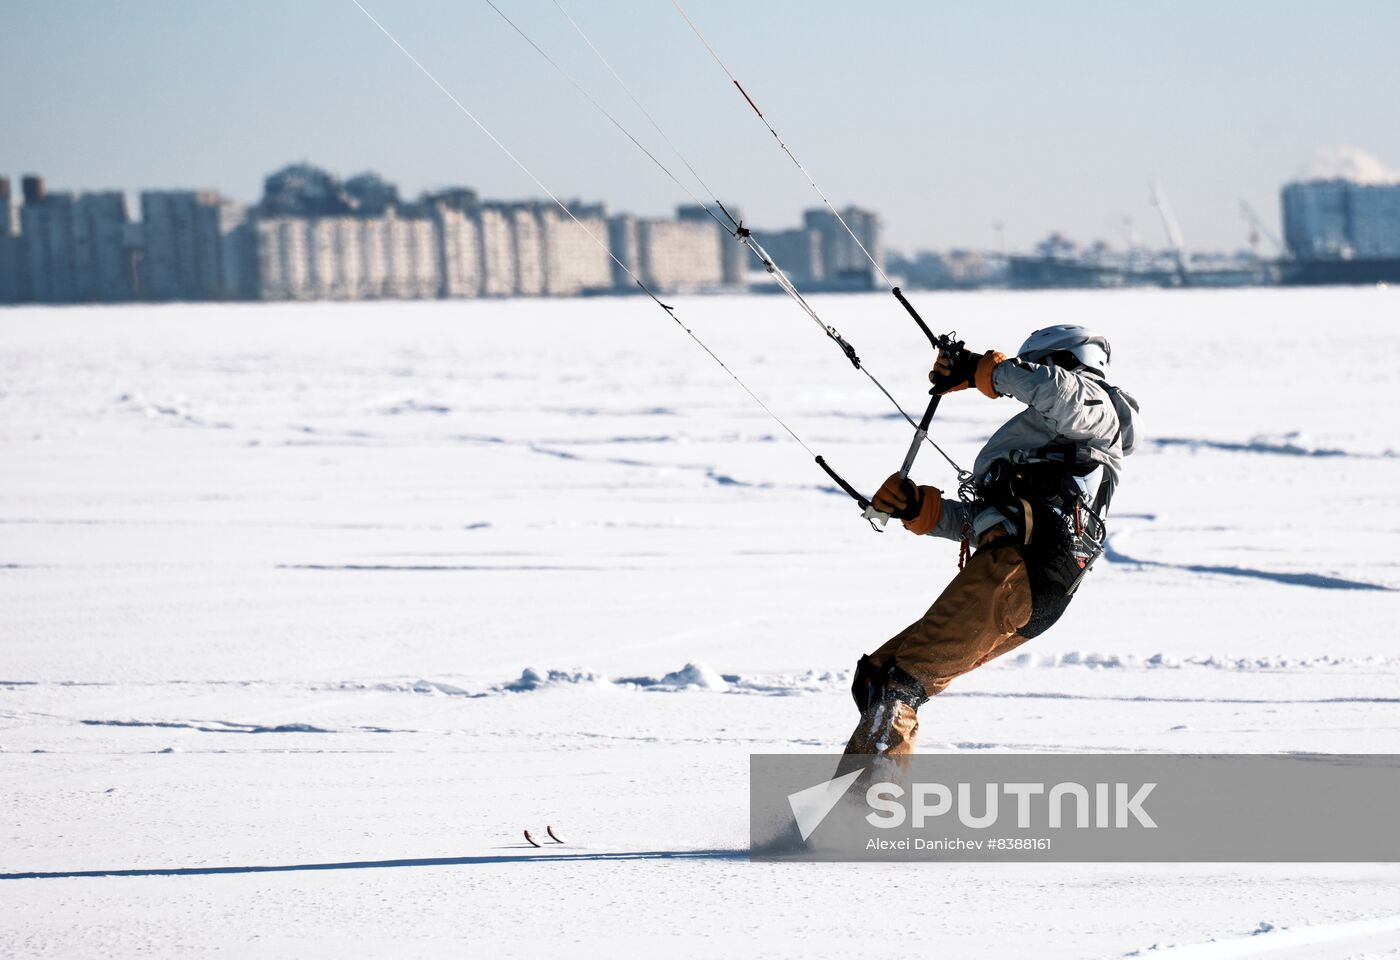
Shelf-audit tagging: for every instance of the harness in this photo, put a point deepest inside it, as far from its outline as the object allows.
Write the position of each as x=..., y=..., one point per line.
x=1059, y=532
x=1058, y=528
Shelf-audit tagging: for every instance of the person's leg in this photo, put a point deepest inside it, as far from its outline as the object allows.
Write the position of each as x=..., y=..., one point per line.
x=887, y=698
x=976, y=617
x=981, y=609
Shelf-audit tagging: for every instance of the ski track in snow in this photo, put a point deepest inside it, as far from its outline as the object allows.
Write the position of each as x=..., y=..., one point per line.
x=1289, y=445
x=554, y=448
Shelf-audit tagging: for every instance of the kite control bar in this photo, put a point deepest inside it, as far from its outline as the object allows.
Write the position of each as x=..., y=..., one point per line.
x=944, y=343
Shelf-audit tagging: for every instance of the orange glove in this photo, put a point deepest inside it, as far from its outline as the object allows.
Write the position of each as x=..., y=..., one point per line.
x=918, y=507
x=959, y=370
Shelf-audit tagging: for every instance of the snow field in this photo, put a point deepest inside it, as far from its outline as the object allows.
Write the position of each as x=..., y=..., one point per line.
x=358, y=592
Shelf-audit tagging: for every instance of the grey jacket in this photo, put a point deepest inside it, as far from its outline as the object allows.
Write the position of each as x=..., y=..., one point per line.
x=1061, y=405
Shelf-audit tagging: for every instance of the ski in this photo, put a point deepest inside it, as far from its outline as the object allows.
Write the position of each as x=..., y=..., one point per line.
x=552, y=836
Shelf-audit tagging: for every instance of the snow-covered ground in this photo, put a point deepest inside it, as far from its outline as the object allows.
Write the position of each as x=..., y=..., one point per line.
x=307, y=611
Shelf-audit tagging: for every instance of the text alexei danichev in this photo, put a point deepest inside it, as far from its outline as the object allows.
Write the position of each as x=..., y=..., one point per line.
x=958, y=843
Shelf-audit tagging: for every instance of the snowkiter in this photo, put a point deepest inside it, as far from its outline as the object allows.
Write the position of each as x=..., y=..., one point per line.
x=1033, y=519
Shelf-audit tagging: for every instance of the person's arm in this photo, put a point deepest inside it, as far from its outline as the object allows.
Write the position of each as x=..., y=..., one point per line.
x=951, y=519
x=1076, y=407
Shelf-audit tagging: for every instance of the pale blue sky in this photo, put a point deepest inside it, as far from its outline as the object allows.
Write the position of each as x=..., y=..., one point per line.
x=945, y=117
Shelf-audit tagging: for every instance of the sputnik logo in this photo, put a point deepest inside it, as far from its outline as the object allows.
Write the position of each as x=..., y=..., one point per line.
x=810, y=806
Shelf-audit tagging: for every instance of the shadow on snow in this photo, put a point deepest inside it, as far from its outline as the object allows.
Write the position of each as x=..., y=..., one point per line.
x=1316, y=580
x=734, y=854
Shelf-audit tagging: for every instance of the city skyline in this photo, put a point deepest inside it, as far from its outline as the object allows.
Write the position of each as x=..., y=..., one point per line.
x=928, y=118
x=315, y=235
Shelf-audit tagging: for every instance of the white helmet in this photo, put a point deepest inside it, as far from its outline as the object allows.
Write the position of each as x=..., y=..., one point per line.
x=1089, y=348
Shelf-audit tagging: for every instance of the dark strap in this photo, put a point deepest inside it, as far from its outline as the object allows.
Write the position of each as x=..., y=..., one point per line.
x=1111, y=390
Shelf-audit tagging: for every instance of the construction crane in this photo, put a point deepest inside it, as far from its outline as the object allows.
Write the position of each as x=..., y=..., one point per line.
x=1159, y=200
x=1258, y=228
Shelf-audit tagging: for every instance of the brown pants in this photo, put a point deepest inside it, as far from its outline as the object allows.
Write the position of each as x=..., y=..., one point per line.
x=975, y=619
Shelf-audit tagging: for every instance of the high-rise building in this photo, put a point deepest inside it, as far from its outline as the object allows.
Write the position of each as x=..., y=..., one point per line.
x=459, y=247
x=1374, y=214
x=238, y=265
x=374, y=257
x=73, y=249
x=1315, y=220
x=622, y=239
x=1338, y=219
x=798, y=253
x=843, y=262
x=1341, y=232
x=734, y=256
x=411, y=257
x=9, y=245
x=197, y=247
x=334, y=259
x=576, y=252
x=101, y=262
x=134, y=255
x=675, y=255
x=281, y=250
x=528, y=237
x=8, y=224
x=47, y=249
x=33, y=188
x=497, y=251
